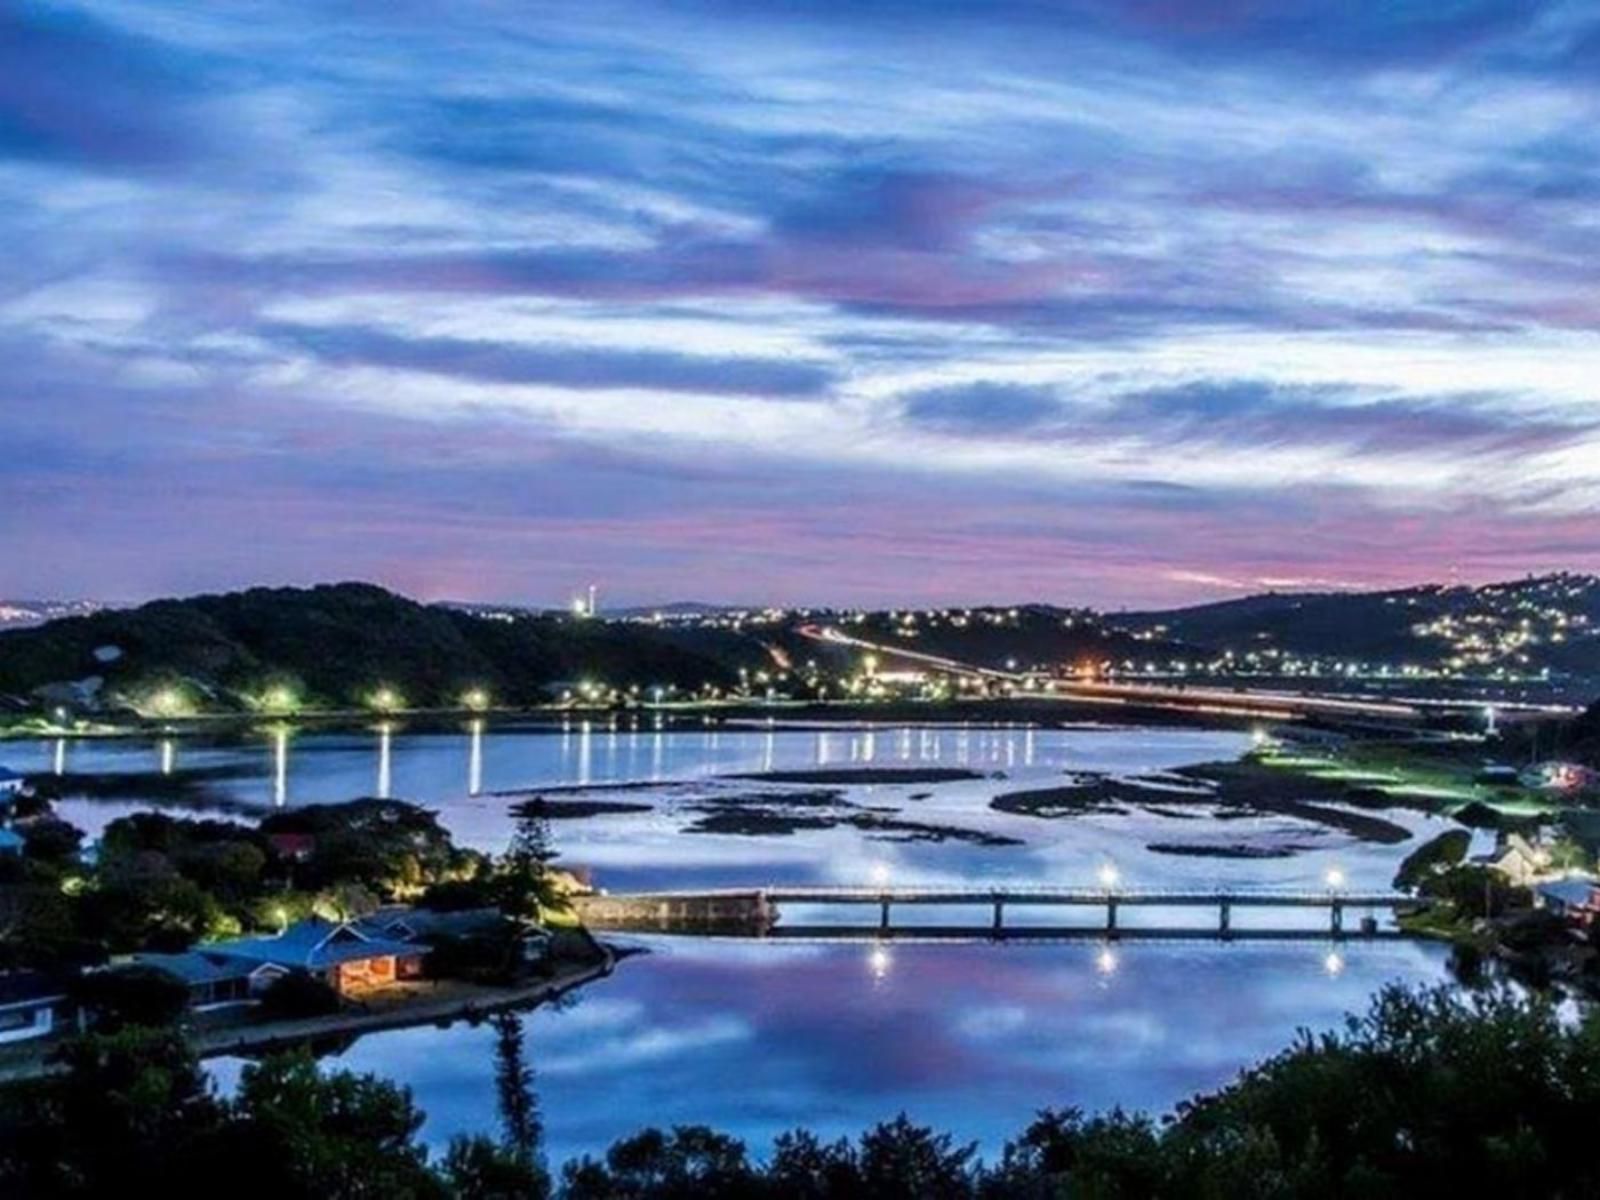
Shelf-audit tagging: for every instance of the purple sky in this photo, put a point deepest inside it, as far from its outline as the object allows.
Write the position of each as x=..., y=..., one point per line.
x=1123, y=302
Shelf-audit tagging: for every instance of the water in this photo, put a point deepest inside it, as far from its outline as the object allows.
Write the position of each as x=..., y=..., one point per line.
x=757, y=1038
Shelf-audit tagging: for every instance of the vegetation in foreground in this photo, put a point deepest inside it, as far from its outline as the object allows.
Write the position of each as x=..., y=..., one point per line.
x=1429, y=1094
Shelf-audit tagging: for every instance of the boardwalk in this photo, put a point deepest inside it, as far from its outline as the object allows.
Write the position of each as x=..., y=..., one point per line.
x=761, y=911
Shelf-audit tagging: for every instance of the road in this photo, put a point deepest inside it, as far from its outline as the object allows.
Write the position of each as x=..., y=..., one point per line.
x=1238, y=702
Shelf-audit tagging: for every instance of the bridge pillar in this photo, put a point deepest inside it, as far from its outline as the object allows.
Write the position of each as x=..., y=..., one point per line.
x=883, y=912
x=1336, y=916
x=1225, y=919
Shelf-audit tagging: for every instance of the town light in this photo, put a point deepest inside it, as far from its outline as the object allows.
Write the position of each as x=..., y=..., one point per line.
x=1335, y=878
x=476, y=699
x=386, y=699
x=1108, y=876
x=278, y=698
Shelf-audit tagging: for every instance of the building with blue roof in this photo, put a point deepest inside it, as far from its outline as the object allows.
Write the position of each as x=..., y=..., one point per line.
x=351, y=960
x=1577, y=900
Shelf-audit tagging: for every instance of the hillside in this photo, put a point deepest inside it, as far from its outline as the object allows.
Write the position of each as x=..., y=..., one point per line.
x=1527, y=625
x=332, y=645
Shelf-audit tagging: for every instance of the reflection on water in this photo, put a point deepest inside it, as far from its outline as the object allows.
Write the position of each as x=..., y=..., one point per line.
x=168, y=756
x=385, y=762
x=759, y=1038
x=475, y=761
x=280, y=767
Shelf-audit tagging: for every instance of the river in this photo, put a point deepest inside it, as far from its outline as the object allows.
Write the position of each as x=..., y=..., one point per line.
x=755, y=1038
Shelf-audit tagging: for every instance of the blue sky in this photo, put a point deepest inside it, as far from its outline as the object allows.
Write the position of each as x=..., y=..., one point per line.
x=1124, y=303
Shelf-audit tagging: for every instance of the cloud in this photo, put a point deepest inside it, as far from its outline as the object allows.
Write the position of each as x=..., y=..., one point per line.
x=573, y=367
x=982, y=408
x=76, y=89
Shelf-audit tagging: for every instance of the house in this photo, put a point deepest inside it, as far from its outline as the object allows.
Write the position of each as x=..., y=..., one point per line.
x=11, y=843
x=351, y=961
x=215, y=979
x=30, y=1005
x=1576, y=900
x=12, y=782
x=1520, y=861
x=1556, y=776
x=292, y=847
x=420, y=924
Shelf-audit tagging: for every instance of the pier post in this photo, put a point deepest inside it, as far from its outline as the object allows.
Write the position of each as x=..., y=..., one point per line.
x=999, y=915
x=883, y=912
x=1225, y=918
x=1111, y=914
x=1336, y=916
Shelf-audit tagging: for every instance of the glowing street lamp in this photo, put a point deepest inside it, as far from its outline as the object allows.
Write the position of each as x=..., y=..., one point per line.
x=278, y=698
x=1334, y=879
x=386, y=699
x=1109, y=876
x=476, y=699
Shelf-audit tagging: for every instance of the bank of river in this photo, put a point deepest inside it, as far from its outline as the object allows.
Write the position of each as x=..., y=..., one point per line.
x=756, y=1037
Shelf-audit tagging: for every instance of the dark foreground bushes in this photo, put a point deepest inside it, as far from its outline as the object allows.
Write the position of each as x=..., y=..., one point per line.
x=1428, y=1095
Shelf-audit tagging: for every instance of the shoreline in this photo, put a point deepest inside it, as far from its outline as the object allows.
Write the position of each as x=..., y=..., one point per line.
x=462, y=1001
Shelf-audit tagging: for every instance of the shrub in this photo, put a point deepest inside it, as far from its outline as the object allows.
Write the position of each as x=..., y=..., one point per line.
x=133, y=996
x=299, y=994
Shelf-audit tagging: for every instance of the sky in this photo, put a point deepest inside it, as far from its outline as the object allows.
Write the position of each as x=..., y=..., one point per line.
x=1116, y=302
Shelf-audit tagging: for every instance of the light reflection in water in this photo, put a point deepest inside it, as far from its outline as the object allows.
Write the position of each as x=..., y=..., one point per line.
x=385, y=765
x=168, y=756
x=475, y=760
x=585, y=754
x=59, y=763
x=879, y=962
x=280, y=766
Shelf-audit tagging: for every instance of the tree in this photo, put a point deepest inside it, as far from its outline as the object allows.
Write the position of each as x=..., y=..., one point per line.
x=479, y=1168
x=135, y=996
x=299, y=994
x=520, y=1125
x=340, y=1135
x=526, y=886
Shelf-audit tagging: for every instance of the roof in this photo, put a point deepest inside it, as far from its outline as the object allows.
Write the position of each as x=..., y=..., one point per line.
x=28, y=987
x=409, y=923
x=200, y=966
x=1568, y=891
x=315, y=945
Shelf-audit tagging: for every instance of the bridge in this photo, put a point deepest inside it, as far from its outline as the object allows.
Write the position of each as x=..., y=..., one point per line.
x=758, y=912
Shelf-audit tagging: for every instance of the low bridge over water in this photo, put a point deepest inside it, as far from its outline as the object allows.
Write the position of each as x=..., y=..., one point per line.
x=759, y=912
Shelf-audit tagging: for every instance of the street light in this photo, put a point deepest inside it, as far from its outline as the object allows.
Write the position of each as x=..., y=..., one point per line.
x=476, y=699
x=1108, y=876
x=1335, y=879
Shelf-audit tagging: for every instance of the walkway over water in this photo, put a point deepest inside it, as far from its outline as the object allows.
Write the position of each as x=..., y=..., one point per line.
x=759, y=911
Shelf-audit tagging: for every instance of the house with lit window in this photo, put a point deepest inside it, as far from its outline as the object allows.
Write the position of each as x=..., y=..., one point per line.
x=351, y=960
x=31, y=1005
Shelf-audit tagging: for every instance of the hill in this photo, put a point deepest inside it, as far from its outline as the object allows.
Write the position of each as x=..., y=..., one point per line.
x=1550, y=622
x=334, y=645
